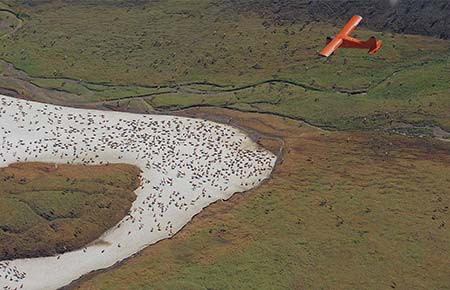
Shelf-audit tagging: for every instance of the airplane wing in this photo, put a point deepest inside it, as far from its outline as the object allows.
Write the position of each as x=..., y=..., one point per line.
x=331, y=47
x=351, y=25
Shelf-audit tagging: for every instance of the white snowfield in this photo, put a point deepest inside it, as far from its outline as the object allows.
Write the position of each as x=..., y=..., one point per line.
x=186, y=165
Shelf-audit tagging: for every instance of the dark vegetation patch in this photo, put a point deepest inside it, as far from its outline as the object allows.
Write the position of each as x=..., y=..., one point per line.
x=431, y=18
x=48, y=209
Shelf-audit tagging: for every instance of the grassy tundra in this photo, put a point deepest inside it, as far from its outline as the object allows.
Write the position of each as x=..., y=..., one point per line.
x=351, y=208
x=166, y=55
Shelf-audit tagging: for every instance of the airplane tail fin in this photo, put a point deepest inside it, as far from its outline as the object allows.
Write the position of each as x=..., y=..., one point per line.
x=374, y=45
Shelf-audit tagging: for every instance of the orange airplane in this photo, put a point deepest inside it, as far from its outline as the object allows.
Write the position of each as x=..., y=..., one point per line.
x=343, y=39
